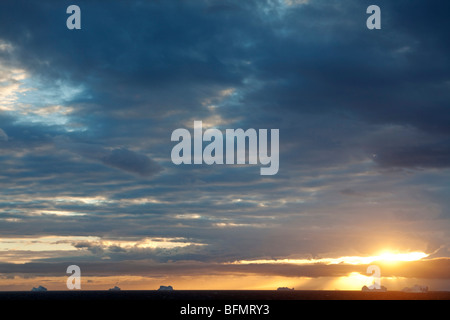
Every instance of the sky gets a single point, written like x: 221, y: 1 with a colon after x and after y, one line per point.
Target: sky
x: 86, y: 118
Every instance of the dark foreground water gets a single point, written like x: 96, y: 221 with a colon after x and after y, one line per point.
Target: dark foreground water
x: 208, y: 295
x: 218, y: 304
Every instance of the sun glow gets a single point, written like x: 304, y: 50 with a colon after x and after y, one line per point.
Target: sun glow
x: 352, y: 281
x: 385, y: 256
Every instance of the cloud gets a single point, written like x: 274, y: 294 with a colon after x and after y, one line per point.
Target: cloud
x: 119, y: 158
x: 363, y: 122
x: 3, y: 135
x: 424, y: 156
x: 183, y: 70
x: 425, y: 269
x: 131, y: 161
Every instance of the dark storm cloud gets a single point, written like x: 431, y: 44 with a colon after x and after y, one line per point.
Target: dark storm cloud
x: 397, y: 75
x: 131, y: 161
x: 173, y: 56
x: 140, y: 55
x: 120, y: 158
x: 434, y: 156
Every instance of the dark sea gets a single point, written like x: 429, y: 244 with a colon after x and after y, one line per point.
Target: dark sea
x: 211, y: 295
x: 223, y: 304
